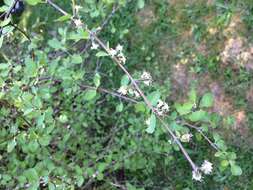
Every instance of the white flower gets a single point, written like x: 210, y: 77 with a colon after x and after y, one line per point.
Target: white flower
x: 78, y: 7
x: 112, y: 52
x: 133, y: 92
x: 206, y: 167
x: 78, y: 23
x: 186, y: 137
x: 159, y: 104
x: 94, y: 45
x: 147, y: 78
x: 122, y: 90
x: 161, y: 107
x: 136, y: 93
x: 121, y: 58
x: 196, y: 175
x: 119, y: 48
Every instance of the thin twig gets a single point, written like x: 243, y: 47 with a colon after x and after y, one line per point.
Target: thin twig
x: 20, y: 30
x: 201, y: 132
x: 109, y: 92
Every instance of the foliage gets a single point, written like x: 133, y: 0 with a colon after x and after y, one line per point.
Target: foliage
x: 73, y: 119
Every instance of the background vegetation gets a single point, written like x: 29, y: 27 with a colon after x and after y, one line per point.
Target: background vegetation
x: 65, y: 126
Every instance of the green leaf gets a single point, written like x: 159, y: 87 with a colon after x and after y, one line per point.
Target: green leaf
x: 76, y: 59
x: 63, y: 18
x: 11, y: 145
x: 193, y: 96
x: 224, y: 163
x: 101, y: 54
x: 55, y: 44
x: 63, y: 118
x: 33, y: 146
x: 33, y: 2
x: 140, y: 107
x: 90, y: 94
x: 101, y: 167
x: 5, y: 22
x: 31, y: 175
x: 44, y: 140
x: 51, y: 186
x: 207, y: 100
x: 31, y: 68
x: 80, y: 180
x: 124, y: 80
x: 119, y: 107
x: 100, y: 176
x: 4, y: 66
x: 152, y: 124
x: 185, y: 108
x: 154, y: 97
x: 1, y: 41
x: 97, y: 79
x: 197, y: 115
x: 140, y: 4
x: 236, y: 170
x: 79, y: 35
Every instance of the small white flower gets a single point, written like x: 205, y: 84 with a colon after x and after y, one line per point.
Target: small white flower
x: 122, y: 90
x: 161, y: 107
x: 206, y: 167
x: 186, y: 137
x: 78, y: 7
x: 94, y: 45
x: 147, y: 82
x: 196, y: 175
x: 95, y: 174
x: 147, y: 78
x: 159, y: 112
x: 78, y: 23
x: 121, y: 58
x: 112, y: 52
x: 133, y: 92
x: 159, y: 104
x: 136, y: 93
x: 119, y: 48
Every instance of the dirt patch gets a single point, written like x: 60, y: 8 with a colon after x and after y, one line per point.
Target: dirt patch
x: 235, y: 27
x: 238, y: 53
x: 146, y: 16
x: 223, y: 104
x: 231, y: 49
x: 249, y: 96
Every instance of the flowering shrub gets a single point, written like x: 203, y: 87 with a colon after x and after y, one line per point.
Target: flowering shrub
x: 74, y: 116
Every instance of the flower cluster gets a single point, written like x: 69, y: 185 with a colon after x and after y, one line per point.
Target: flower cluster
x: 124, y: 90
x: 161, y: 108
x: 205, y: 168
x: 94, y: 45
x: 186, y: 137
x: 117, y: 52
x: 78, y: 23
x: 146, y: 78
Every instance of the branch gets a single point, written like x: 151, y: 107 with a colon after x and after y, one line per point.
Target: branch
x: 201, y: 132
x: 194, y: 167
x: 109, y: 92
